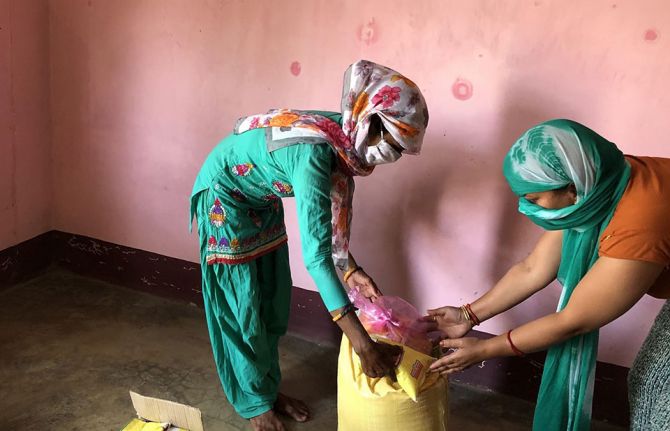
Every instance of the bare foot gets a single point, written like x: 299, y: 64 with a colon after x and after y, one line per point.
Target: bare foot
x: 268, y: 421
x: 295, y: 409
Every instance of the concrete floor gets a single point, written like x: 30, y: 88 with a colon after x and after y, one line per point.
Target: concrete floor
x: 72, y: 348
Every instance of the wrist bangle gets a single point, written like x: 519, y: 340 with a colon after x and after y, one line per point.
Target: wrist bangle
x: 466, y: 315
x: 469, y: 315
x: 514, y: 348
x: 350, y: 272
x: 347, y: 308
x: 473, y: 315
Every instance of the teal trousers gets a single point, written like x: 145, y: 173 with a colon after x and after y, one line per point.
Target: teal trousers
x: 247, y: 308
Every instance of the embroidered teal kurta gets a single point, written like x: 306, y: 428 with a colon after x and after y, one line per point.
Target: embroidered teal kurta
x: 245, y: 184
x: 244, y: 257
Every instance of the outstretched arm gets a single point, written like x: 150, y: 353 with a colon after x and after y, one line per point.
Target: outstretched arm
x: 609, y: 289
x: 525, y: 278
x: 309, y: 172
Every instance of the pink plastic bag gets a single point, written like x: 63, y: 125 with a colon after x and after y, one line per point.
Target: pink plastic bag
x: 393, y: 318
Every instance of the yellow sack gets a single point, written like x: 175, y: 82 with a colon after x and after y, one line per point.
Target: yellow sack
x: 140, y: 425
x: 412, y: 370
x: 371, y: 404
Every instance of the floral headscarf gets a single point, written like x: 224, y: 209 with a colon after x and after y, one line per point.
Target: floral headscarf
x: 369, y: 89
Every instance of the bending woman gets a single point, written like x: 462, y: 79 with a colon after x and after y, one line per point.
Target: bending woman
x: 608, y: 243
x: 313, y: 157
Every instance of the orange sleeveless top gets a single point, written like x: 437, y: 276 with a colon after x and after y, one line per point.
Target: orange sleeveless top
x: 640, y: 226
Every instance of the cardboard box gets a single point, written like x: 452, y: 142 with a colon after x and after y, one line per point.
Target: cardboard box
x: 157, y: 415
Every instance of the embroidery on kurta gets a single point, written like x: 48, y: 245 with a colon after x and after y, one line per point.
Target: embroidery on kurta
x: 283, y: 188
x: 246, y: 249
x: 243, y: 169
x: 217, y: 215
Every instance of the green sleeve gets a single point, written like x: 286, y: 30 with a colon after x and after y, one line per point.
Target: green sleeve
x: 308, y: 167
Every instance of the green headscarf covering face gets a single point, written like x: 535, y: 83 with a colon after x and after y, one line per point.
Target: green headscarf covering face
x: 547, y: 157
x: 555, y: 154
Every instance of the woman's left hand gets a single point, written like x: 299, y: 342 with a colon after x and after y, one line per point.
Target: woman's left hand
x: 468, y: 351
x: 361, y: 281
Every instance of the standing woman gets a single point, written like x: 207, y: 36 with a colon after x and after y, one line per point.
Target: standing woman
x: 608, y: 243
x: 313, y: 157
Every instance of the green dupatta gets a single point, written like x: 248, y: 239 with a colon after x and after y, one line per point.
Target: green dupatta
x: 550, y: 156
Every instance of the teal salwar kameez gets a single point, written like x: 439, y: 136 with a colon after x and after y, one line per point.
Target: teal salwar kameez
x: 312, y: 156
x: 244, y: 255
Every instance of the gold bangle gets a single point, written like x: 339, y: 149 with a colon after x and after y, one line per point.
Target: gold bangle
x: 466, y: 314
x: 350, y: 272
x: 469, y: 315
x: 341, y: 314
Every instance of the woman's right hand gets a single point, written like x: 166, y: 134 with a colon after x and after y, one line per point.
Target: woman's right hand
x: 379, y: 359
x: 448, y: 320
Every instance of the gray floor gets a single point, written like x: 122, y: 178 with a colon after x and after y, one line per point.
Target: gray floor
x: 73, y: 347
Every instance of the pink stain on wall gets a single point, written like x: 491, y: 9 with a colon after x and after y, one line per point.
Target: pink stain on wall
x: 650, y: 35
x: 462, y: 89
x: 368, y: 33
x: 295, y: 68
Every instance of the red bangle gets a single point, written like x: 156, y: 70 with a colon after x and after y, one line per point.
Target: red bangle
x: 473, y: 315
x: 514, y: 349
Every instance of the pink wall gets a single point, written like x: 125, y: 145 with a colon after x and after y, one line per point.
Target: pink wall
x: 142, y: 90
x: 25, y: 195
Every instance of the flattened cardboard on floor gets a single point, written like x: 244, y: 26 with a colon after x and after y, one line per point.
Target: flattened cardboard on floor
x: 157, y: 410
